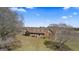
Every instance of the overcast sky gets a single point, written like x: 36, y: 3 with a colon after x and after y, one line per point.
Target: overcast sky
x: 43, y: 16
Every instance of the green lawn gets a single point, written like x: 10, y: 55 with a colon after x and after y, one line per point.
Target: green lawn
x: 32, y: 44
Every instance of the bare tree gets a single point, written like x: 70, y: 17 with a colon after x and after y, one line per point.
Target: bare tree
x: 10, y: 25
x: 61, y: 33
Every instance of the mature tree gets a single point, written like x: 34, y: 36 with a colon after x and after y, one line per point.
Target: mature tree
x: 61, y: 33
x: 10, y: 25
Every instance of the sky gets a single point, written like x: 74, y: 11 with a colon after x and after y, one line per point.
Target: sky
x: 43, y: 16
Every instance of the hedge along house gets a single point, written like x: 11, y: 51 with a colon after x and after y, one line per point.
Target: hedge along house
x: 36, y: 31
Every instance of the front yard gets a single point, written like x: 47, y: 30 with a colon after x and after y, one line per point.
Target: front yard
x: 32, y: 44
x: 37, y: 44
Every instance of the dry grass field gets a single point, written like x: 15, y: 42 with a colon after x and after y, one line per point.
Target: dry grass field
x: 32, y: 44
x: 73, y: 44
x: 37, y: 44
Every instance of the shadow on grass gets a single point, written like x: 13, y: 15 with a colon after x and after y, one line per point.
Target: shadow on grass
x: 55, y: 46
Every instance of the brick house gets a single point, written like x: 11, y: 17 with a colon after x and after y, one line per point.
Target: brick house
x: 37, y: 31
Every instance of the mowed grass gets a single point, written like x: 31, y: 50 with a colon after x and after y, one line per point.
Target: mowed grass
x: 32, y: 44
x: 73, y: 44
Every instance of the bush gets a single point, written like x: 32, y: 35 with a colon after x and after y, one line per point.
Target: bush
x: 56, y: 46
x: 27, y: 33
x: 10, y: 44
x: 14, y: 45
